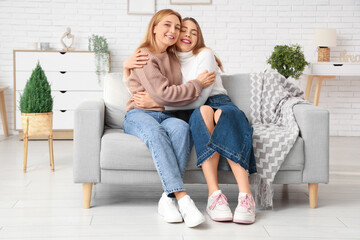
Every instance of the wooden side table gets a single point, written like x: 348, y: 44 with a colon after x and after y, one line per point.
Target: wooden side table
x: 3, y: 110
x: 327, y: 70
x: 318, y: 87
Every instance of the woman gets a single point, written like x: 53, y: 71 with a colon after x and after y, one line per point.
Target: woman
x: 218, y: 127
x: 168, y: 138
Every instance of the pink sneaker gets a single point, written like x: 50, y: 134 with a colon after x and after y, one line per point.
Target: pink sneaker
x: 245, y: 211
x: 218, y: 207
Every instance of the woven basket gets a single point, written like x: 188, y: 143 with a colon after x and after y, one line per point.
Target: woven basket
x: 37, y: 124
x: 324, y: 55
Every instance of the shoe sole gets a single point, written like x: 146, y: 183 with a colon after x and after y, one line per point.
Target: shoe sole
x: 172, y: 220
x: 243, y: 221
x: 195, y: 225
x: 219, y: 219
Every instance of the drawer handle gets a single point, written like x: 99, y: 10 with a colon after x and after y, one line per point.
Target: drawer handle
x: 62, y: 110
x: 62, y: 53
x: 63, y: 91
x: 337, y: 64
x: 62, y: 72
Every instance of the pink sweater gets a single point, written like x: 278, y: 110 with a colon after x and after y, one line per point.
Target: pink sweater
x: 161, y: 78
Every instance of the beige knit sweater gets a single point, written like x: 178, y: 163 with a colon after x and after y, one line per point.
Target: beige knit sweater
x: 161, y: 78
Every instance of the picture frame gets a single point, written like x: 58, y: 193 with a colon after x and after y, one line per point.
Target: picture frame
x: 141, y: 7
x: 190, y: 2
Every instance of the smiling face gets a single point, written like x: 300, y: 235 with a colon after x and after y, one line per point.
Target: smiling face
x: 188, y: 37
x: 167, y: 32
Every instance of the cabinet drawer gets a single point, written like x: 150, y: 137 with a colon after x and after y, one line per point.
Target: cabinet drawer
x: 66, y: 100
x: 62, y: 119
x: 55, y: 61
x: 64, y: 80
x: 339, y: 69
x: 70, y: 100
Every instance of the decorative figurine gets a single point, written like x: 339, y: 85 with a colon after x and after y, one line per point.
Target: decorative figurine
x: 67, y: 35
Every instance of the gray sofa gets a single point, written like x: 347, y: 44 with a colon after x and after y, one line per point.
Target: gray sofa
x: 104, y: 154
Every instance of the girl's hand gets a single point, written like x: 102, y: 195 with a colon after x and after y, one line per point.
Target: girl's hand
x: 206, y: 78
x: 144, y: 101
x: 136, y: 60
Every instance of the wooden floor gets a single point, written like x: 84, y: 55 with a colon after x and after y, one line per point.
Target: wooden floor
x: 41, y: 204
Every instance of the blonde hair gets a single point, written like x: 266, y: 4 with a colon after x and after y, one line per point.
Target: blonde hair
x: 200, y: 45
x: 149, y: 38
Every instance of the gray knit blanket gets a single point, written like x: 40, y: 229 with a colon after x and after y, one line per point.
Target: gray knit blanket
x: 275, y: 128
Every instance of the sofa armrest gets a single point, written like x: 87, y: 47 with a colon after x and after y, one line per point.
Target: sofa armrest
x: 88, y: 130
x: 314, y: 129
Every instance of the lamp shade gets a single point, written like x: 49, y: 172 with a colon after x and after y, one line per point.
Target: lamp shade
x: 325, y: 37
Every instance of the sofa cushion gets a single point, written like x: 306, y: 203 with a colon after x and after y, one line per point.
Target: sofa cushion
x: 296, y: 158
x: 238, y: 88
x: 121, y: 151
x: 124, y: 151
x: 116, y: 96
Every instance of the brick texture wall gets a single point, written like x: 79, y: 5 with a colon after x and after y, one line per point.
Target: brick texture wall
x: 242, y: 33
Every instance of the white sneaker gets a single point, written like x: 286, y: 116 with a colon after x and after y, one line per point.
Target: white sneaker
x: 169, y: 210
x: 245, y: 212
x: 191, y: 214
x: 218, y: 207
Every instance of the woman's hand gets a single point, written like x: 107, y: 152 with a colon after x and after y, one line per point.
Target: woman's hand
x: 206, y: 78
x: 144, y: 101
x: 136, y: 60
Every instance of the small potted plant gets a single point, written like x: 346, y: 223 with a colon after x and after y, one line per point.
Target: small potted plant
x: 36, y: 104
x: 288, y: 60
x: 99, y: 45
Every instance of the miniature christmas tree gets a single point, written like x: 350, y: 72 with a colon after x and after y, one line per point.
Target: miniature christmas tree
x: 37, y: 93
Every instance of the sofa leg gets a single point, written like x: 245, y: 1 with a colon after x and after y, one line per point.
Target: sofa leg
x: 313, y: 194
x: 87, y: 188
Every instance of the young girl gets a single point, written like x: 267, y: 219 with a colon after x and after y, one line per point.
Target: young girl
x: 168, y: 138
x: 218, y: 127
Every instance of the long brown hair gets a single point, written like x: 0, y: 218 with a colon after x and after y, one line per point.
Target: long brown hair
x: 200, y: 45
x: 149, y: 38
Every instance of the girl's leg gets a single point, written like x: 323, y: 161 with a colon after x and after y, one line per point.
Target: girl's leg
x: 209, y: 167
x: 179, y: 134
x: 241, y: 175
x: 217, y: 206
x: 153, y: 134
x: 180, y: 137
x: 148, y: 128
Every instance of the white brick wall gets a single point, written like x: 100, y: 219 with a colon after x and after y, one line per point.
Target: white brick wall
x: 242, y: 32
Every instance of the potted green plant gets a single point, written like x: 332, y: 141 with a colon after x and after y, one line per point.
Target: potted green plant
x: 288, y: 60
x: 99, y: 45
x: 36, y: 104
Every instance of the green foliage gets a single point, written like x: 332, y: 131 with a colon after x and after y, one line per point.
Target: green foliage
x: 37, y: 93
x: 288, y: 60
x: 99, y: 45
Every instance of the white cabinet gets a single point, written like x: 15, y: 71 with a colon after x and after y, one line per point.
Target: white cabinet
x: 72, y: 76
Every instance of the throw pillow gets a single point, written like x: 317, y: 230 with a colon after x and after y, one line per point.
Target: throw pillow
x: 116, y: 96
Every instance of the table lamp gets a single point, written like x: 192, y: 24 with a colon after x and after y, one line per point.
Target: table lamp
x: 323, y: 39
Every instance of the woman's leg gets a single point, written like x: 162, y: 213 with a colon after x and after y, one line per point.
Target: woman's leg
x: 241, y: 175
x: 217, y: 205
x: 179, y: 134
x: 209, y: 167
x: 148, y: 129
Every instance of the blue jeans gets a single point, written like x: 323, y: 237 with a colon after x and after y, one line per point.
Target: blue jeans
x: 169, y: 141
x: 231, y: 138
